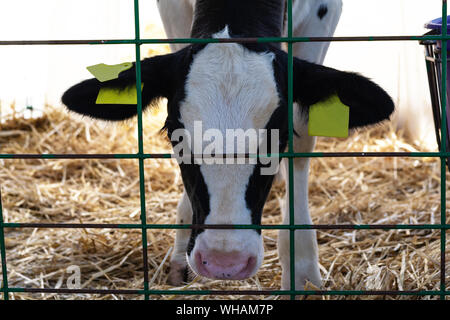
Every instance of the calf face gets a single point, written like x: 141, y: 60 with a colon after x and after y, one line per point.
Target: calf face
x: 222, y: 87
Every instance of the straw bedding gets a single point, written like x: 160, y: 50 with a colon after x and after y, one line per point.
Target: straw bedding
x: 342, y: 191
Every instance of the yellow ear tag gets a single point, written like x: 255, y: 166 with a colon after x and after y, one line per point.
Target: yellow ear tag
x: 126, y: 95
x: 329, y: 118
x: 104, y: 72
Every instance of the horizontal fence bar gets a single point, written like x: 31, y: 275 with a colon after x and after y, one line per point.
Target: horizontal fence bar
x: 236, y: 156
x: 225, y: 40
x: 234, y: 292
x: 228, y: 226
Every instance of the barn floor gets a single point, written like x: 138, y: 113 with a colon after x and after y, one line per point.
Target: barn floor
x: 342, y: 191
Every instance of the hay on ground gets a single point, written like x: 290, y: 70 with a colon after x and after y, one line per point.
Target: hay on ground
x: 342, y: 191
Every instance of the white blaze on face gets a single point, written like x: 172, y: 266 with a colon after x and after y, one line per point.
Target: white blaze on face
x: 229, y: 87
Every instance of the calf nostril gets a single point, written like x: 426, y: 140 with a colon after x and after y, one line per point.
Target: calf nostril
x: 205, y: 262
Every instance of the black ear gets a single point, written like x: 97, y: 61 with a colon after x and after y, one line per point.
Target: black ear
x: 369, y: 103
x: 158, y: 76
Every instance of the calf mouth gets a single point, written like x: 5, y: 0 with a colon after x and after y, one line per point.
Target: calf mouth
x: 224, y: 266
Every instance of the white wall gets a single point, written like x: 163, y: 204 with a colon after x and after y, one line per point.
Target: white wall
x: 36, y: 75
x: 40, y: 74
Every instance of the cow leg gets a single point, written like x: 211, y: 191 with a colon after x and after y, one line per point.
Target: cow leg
x: 178, y: 264
x: 314, y: 18
x: 306, y: 253
x: 177, y: 17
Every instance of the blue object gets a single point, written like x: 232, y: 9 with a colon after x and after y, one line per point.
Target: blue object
x: 436, y: 24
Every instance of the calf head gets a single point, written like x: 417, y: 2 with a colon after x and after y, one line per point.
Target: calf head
x: 223, y: 87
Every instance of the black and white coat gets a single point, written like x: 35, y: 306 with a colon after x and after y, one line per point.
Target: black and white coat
x: 231, y: 86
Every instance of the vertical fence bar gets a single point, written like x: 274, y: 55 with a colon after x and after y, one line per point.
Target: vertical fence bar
x: 141, y: 146
x: 3, y: 253
x: 291, y: 150
x: 443, y: 145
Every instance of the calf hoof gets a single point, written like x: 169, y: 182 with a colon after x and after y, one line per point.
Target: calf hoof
x: 178, y: 274
x: 307, y: 277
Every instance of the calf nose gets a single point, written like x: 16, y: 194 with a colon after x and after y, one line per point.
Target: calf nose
x: 225, y: 265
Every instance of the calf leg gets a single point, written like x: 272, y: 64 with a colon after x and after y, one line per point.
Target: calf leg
x: 314, y: 18
x: 306, y: 253
x: 177, y: 17
x: 178, y: 264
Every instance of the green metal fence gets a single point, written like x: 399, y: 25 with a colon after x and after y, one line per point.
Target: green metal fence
x: 146, y: 291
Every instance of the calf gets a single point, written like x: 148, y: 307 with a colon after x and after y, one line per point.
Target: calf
x: 224, y: 86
